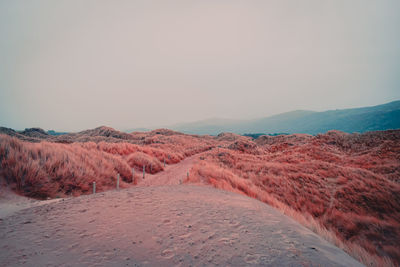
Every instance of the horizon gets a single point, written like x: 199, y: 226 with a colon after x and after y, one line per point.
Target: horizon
x: 171, y: 126
x: 69, y: 66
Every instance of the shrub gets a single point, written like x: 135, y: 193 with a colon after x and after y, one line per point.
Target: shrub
x: 139, y: 159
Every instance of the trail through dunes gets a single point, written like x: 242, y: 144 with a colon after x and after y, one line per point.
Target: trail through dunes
x: 180, y: 225
x: 172, y: 175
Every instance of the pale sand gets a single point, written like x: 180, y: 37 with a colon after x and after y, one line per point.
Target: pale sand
x: 169, y: 225
x: 161, y: 226
x: 11, y: 202
x: 172, y: 174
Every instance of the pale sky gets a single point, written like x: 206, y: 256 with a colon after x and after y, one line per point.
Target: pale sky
x: 73, y: 65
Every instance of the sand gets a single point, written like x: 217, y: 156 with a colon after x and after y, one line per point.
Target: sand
x: 159, y: 225
x: 172, y: 174
x: 10, y: 202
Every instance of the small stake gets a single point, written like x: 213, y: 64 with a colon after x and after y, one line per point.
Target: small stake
x: 164, y: 162
x: 187, y: 175
x: 133, y: 174
x: 143, y: 171
x: 118, y: 181
x: 94, y: 187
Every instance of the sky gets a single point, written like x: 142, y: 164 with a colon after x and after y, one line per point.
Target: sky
x: 72, y: 65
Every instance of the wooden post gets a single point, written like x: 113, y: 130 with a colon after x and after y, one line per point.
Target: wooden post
x: 164, y: 162
x: 94, y: 187
x: 133, y: 174
x: 118, y: 181
x: 151, y: 168
x: 144, y: 170
x: 187, y: 175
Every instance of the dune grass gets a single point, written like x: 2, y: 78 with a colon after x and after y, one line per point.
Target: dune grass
x: 343, y: 186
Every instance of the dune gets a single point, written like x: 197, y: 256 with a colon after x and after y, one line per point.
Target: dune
x: 341, y: 186
x: 10, y: 202
x: 180, y: 225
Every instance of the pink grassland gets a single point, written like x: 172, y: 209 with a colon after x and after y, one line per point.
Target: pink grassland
x: 343, y: 186
x: 55, y: 169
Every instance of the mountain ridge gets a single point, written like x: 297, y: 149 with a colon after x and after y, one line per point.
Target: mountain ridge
x: 362, y: 119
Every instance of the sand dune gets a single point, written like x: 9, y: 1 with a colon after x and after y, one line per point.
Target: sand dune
x: 179, y: 225
x: 347, y: 183
x: 10, y: 202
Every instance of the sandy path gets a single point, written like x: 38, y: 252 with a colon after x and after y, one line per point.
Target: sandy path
x: 161, y: 226
x: 172, y: 174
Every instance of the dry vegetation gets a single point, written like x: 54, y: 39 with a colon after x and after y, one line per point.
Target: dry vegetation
x: 52, y: 166
x: 343, y: 186
x: 346, y: 183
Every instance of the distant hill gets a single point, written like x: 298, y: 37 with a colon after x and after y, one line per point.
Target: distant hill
x: 212, y: 126
x: 375, y: 118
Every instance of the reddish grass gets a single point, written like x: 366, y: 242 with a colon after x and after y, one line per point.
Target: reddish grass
x: 139, y: 159
x: 343, y: 186
x: 45, y: 169
x: 348, y: 184
x: 55, y: 166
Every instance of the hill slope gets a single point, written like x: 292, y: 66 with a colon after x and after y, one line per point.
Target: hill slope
x: 375, y: 118
x: 162, y: 226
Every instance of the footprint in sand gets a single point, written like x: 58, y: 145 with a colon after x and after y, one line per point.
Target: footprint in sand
x: 226, y: 241
x: 185, y: 236
x: 168, y: 253
x: 211, y: 236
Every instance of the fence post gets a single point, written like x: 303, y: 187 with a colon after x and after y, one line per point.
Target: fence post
x: 118, y: 181
x: 144, y: 171
x: 164, y: 162
x: 187, y: 175
x: 133, y: 174
x: 94, y: 187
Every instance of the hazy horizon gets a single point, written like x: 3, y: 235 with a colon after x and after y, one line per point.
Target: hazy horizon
x: 172, y: 126
x: 71, y: 65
